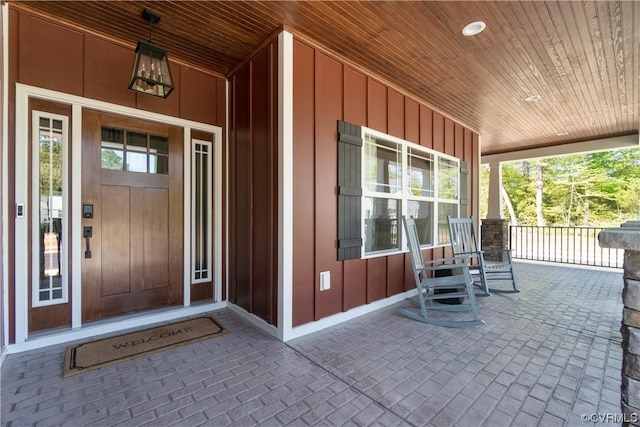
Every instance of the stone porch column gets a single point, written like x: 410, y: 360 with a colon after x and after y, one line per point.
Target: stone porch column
x: 627, y: 237
x: 494, y: 233
x: 495, y: 236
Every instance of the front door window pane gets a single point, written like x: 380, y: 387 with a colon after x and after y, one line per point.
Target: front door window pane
x: 136, y: 162
x: 137, y: 141
x: 134, y: 151
x: 158, y: 145
x: 112, y: 158
x: 158, y: 164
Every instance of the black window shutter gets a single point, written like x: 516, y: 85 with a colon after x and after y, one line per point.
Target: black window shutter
x: 464, y: 177
x: 349, y: 191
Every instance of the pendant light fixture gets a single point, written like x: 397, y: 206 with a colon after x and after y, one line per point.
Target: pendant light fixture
x: 151, y: 73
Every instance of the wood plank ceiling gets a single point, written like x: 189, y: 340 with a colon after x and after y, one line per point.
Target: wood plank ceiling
x: 580, y: 57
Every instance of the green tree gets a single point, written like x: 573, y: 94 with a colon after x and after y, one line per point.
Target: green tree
x: 112, y: 159
x: 596, y: 189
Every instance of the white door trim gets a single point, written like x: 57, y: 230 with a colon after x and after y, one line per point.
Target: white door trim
x: 4, y: 168
x: 23, y: 93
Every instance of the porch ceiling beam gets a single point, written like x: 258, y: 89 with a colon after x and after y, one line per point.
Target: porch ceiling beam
x: 604, y: 144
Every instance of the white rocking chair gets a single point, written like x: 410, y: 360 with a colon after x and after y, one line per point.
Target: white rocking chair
x: 464, y: 242
x: 428, y: 283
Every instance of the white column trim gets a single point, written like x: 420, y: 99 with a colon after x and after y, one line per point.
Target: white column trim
x: 187, y: 148
x: 225, y: 243
x: 4, y: 12
x: 494, y: 208
x: 75, y: 269
x: 217, y: 220
x: 285, y: 185
x: 21, y: 224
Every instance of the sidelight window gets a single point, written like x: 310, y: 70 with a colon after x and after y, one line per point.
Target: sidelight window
x: 50, y: 218
x: 201, y: 221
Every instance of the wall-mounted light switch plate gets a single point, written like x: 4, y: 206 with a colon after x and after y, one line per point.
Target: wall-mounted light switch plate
x: 325, y: 280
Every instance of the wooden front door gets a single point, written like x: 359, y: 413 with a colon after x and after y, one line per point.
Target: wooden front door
x: 132, y: 176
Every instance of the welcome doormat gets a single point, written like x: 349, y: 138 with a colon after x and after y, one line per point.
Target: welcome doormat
x: 109, y: 351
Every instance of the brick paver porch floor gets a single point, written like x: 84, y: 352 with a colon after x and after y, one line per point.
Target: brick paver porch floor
x: 545, y: 357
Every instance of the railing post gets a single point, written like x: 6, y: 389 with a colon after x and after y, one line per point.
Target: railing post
x: 627, y: 237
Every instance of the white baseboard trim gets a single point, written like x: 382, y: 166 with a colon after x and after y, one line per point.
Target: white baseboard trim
x: 254, y: 320
x: 101, y: 328
x: 338, y: 318
x: 321, y: 324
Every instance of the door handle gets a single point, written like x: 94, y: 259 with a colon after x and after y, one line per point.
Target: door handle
x: 87, y: 233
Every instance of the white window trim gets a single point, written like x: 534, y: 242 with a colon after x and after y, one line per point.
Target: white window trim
x: 35, y: 213
x: 208, y: 210
x: 435, y: 199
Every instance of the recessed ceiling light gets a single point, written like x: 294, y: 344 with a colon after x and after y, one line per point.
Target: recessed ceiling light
x: 473, y: 28
x: 532, y: 98
x: 562, y: 133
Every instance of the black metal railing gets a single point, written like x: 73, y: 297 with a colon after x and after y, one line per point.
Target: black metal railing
x: 570, y: 245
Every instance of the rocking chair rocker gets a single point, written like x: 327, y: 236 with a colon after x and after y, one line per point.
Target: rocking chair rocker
x: 460, y: 284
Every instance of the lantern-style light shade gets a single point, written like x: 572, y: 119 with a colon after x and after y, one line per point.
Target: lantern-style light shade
x: 151, y: 73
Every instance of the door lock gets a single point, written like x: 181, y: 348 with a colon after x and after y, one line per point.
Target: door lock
x: 87, y: 233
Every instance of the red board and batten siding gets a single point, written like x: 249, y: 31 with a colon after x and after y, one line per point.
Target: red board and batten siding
x: 85, y: 65
x: 253, y: 170
x: 325, y: 91
x: 355, y: 111
x: 328, y: 106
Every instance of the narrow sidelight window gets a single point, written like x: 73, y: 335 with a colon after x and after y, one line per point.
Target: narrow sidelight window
x: 50, y: 191
x: 201, y: 208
